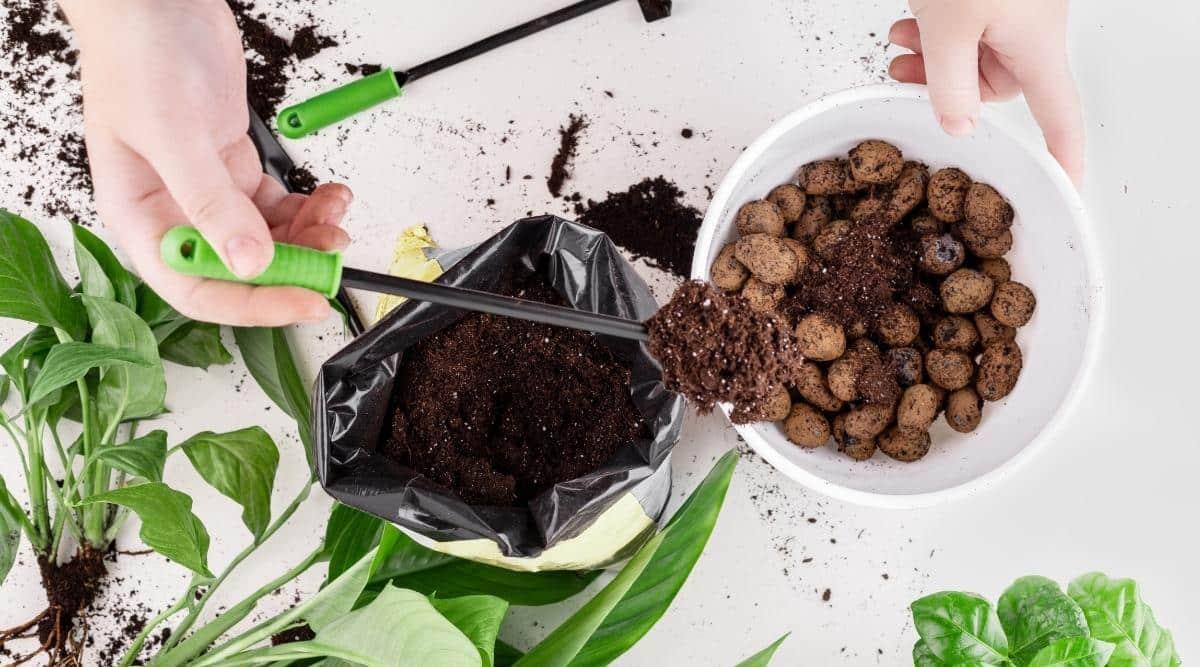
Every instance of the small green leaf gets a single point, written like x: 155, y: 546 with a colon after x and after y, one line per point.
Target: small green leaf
x: 31, y: 287
x: 564, y: 642
x: 684, y: 538
x: 1035, y: 612
x: 10, y: 530
x: 34, y: 345
x: 143, y: 457
x: 126, y: 392
x: 100, y: 272
x: 195, y: 344
x: 168, y: 524
x: 1116, y: 613
x: 241, y: 465
x: 960, y: 627
x: 69, y: 362
x: 923, y: 657
x: 349, y: 535
x: 268, y: 357
x: 478, y: 617
x: 5, y: 384
x: 1073, y: 652
x: 763, y: 657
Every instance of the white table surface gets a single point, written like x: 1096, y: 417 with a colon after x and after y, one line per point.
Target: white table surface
x: 1116, y: 492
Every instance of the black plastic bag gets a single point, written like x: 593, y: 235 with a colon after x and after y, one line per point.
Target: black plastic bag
x: 354, y: 390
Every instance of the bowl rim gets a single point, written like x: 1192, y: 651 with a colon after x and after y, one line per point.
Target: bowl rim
x: 1096, y: 304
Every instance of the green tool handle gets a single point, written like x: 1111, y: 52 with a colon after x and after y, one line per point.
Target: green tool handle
x: 187, y: 252
x: 338, y: 104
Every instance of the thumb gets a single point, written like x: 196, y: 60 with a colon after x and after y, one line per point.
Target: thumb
x: 200, y: 183
x: 950, y: 34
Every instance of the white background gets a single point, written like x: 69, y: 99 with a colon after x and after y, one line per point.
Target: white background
x: 1116, y: 492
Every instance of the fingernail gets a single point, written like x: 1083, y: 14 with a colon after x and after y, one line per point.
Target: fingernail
x: 246, y: 256
x: 958, y: 126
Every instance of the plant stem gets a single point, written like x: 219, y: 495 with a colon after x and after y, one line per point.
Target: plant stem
x: 186, y: 624
x: 135, y: 648
x: 36, y: 482
x: 93, y: 515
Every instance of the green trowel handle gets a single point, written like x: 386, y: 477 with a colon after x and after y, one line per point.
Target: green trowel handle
x: 185, y: 250
x: 338, y: 104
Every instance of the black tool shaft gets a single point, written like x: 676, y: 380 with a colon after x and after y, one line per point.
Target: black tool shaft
x: 501, y: 38
x: 486, y: 302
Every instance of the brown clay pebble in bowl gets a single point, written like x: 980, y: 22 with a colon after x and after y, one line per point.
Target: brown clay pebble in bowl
x: 763, y: 297
x: 869, y: 420
x: 777, y: 406
x: 898, y: 326
x: 992, y: 331
x: 843, y: 378
x: 949, y: 369
x: 817, y: 212
x: 999, y: 367
x: 801, y: 252
x: 997, y: 269
x: 908, y: 192
x: 810, y: 384
x: 866, y: 207
x: 807, y: 427
x: 1013, y: 304
x: 986, y: 212
x: 789, y: 199
x: 905, y: 444
x: 768, y: 258
x: 955, y: 332
x: 918, y: 407
x: 875, y: 162
x: 926, y: 224
x: 831, y: 235
x: 827, y: 177
x: 859, y: 449
x: 820, y: 338
x: 964, y: 410
x: 907, y: 365
x: 988, y: 247
x: 964, y: 291
x: 727, y: 272
x: 759, y: 217
x: 941, y: 254
x: 947, y: 194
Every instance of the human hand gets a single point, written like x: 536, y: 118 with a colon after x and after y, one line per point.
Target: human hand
x: 166, y: 118
x: 968, y: 50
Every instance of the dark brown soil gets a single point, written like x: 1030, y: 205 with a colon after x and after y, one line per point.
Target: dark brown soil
x: 651, y: 221
x: 70, y: 588
x: 302, y: 180
x: 498, y: 410
x: 301, y: 633
x: 270, y: 57
x: 714, y: 348
x: 568, y: 145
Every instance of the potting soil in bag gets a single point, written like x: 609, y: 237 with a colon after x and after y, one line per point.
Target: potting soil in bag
x: 476, y: 468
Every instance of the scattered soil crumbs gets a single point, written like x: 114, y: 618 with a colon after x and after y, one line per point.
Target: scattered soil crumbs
x: 300, y: 633
x: 301, y: 180
x: 363, y: 69
x: 687, y: 133
x: 568, y: 145
x: 649, y: 220
x: 714, y: 348
x: 270, y: 57
x: 498, y: 429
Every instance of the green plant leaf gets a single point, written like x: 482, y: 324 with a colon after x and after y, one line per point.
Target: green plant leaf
x: 69, y: 362
x: 162, y: 318
x: 684, y: 538
x: 31, y: 288
x: 34, y: 345
x: 960, y: 627
x: 100, y: 272
x: 168, y: 524
x: 1078, y: 651
x: 923, y: 657
x: 241, y: 465
x: 478, y: 617
x: 349, y: 535
x: 1035, y: 612
x: 268, y: 357
x: 412, y: 566
x: 5, y: 384
x: 195, y: 344
x: 763, y: 657
x: 10, y: 529
x: 564, y: 642
x: 126, y: 392
x: 1116, y: 613
x: 507, y: 655
x: 142, y: 457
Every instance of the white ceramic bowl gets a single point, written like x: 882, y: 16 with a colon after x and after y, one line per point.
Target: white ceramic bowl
x: 1053, y: 253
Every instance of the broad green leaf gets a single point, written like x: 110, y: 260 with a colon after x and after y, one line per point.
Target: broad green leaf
x: 162, y: 318
x: 31, y: 288
x: 268, y: 357
x: 34, y: 345
x: 960, y: 627
x: 507, y: 655
x: 10, y: 529
x: 100, y: 271
x: 478, y: 617
x: 1078, y: 651
x: 168, y: 525
x: 1116, y: 613
x: 195, y: 344
x: 69, y: 362
x: 337, y: 598
x: 1035, y: 612
x: 127, y: 392
x: 142, y: 457
x: 684, y: 538
x: 241, y: 465
x: 564, y: 642
x: 923, y: 657
x: 349, y: 535
x: 763, y: 657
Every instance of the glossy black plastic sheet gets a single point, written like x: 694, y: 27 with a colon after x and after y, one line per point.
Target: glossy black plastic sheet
x: 354, y: 388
